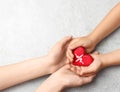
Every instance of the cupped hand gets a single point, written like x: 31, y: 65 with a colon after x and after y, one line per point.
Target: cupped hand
x: 69, y: 76
x: 95, y: 67
x: 84, y: 41
x: 57, y: 54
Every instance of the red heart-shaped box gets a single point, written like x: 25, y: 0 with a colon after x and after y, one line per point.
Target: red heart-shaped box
x: 81, y: 58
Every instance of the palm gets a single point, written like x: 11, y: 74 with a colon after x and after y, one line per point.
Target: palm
x: 95, y: 67
x: 71, y: 77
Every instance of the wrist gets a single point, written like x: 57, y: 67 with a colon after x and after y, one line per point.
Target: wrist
x: 94, y: 39
x: 43, y: 62
x: 52, y: 83
x: 54, y: 63
x: 50, y: 64
x: 104, y: 60
x: 57, y: 85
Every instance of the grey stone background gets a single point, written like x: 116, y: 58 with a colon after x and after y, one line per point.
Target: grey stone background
x: 28, y: 28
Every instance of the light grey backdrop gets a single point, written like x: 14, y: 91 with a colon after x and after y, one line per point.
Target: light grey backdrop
x: 28, y: 28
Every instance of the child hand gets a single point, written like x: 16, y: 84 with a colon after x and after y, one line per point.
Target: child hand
x: 96, y: 66
x: 57, y: 56
x: 85, y: 41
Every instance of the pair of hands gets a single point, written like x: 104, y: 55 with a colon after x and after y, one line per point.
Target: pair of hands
x: 89, y: 44
x: 58, y: 58
x: 60, y: 64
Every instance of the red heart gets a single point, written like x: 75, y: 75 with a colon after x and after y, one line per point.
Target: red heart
x: 81, y: 58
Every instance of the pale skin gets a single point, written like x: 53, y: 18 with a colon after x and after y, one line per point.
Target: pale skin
x: 67, y: 76
x: 103, y: 29
x: 33, y: 68
x: 101, y: 61
x: 13, y: 74
x: 51, y: 63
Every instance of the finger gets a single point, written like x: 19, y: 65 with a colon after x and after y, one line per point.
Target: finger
x: 88, y: 74
x: 73, y: 41
x: 78, y: 70
x: 72, y: 65
x: 69, y: 57
x: 75, y: 45
x: 88, y: 79
x: 65, y: 40
x: 70, y: 53
x: 67, y: 61
x: 87, y: 70
x: 88, y: 50
x: 73, y: 68
x: 96, y: 53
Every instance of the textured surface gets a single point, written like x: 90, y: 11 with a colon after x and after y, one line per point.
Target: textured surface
x: 28, y: 28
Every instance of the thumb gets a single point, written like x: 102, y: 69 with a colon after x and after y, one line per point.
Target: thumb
x: 75, y: 45
x: 64, y: 41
